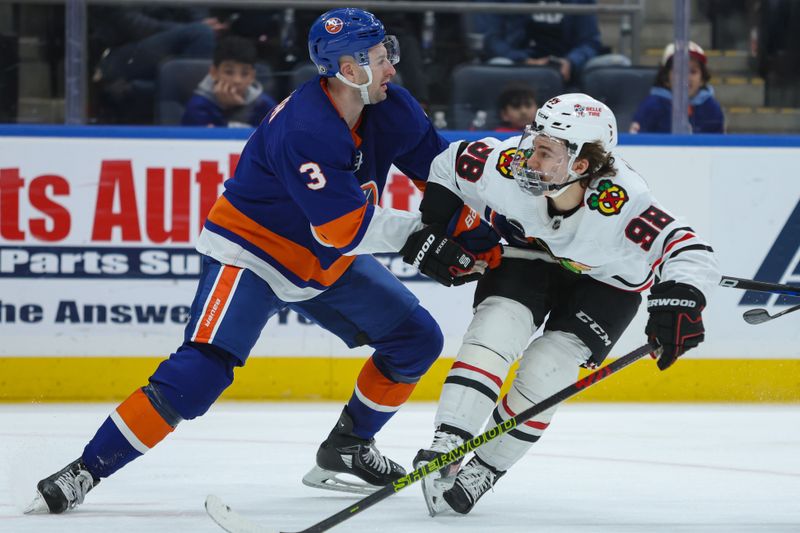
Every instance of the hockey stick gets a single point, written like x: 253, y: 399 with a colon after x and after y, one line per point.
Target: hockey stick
x: 759, y: 316
x: 761, y: 286
x: 233, y: 522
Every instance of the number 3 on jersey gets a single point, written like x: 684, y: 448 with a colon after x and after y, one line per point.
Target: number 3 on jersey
x: 315, y: 175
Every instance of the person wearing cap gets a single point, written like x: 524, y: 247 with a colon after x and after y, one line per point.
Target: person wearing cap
x: 654, y: 114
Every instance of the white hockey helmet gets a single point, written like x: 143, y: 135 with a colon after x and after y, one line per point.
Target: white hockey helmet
x: 575, y: 119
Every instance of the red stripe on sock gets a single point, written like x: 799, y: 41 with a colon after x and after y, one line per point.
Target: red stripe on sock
x: 529, y: 423
x: 496, y: 379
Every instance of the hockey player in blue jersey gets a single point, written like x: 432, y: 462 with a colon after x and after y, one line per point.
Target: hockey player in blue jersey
x: 294, y: 229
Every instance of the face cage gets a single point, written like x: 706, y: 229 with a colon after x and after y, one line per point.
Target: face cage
x: 531, y: 181
x: 392, y: 51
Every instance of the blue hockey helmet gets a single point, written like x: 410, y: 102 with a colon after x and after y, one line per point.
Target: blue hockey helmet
x: 347, y: 32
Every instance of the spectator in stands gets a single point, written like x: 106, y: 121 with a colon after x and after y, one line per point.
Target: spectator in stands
x: 566, y: 42
x: 229, y: 95
x: 516, y: 107
x: 134, y: 41
x: 655, y: 112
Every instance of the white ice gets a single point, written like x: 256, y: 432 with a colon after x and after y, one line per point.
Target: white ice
x: 599, y: 468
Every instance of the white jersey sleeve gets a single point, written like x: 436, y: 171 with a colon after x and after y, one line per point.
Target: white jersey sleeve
x: 620, y: 235
x: 673, y: 249
x: 468, y: 170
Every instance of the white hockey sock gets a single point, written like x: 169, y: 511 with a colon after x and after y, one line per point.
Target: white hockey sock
x: 548, y: 365
x: 471, y: 388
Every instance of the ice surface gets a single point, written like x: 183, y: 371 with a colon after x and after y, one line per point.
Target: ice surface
x: 600, y: 468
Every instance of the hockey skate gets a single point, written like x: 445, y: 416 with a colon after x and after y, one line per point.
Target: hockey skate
x: 344, y: 454
x: 445, y: 438
x: 472, y: 482
x: 64, y: 490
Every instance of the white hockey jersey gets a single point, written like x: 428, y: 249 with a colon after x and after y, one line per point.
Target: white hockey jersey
x: 620, y: 235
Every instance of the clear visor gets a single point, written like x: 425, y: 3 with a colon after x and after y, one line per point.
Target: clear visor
x: 392, y: 49
x: 541, y: 163
x: 392, y: 52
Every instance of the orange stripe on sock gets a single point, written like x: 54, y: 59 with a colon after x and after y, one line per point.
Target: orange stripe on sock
x: 216, y: 303
x: 143, y: 420
x: 380, y: 389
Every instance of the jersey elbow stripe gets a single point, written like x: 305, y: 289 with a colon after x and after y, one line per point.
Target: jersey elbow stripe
x: 378, y: 392
x: 634, y: 287
x: 216, y: 305
x: 672, y: 245
x: 295, y: 258
x: 341, y: 232
x: 139, y: 422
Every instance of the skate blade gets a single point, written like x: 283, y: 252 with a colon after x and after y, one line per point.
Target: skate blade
x: 433, y: 486
x: 319, y: 478
x: 37, y: 506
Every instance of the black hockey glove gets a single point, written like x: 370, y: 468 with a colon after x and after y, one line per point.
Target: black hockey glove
x: 437, y: 256
x: 675, y: 322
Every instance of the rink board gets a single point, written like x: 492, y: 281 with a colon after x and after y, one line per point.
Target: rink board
x: 56, y: 379
x: 97, y: 267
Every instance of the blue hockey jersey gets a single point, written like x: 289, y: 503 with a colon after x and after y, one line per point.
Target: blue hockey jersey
x: 304, y: 198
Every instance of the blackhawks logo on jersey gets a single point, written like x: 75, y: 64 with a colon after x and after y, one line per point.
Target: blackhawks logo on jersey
x: 504, y: 162
x: 608, y: 199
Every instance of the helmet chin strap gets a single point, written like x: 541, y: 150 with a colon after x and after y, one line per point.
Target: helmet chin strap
x: 561, y: 187
x: 363, y: 88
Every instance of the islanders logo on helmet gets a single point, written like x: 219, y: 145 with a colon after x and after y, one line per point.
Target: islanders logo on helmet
x: 334, y: 25
x: 608, y: 199
x: 343, y: 32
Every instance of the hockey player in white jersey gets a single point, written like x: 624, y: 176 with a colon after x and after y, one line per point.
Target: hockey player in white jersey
x: 585, y: 237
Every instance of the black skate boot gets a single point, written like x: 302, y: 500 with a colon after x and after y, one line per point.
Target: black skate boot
x: 345, y: 453
x: 472, y: 482
x: 445, y: 438
x: 63, y: 490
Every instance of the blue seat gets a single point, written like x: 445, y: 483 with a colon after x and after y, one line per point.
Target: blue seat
x: 620, y: 88
x: 177, y: 80
x: 477, y: 87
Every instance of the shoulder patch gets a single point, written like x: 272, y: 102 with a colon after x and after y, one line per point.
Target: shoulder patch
x: 504, y: 162
x: 608, y: 199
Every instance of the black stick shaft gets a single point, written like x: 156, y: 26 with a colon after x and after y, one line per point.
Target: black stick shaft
x: 785, y: 311
x: 453, y: 456
x: 762, y: 286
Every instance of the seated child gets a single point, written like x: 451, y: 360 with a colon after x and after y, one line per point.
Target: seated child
x: 654, y: 114
x: 516, y: 107
x: 229, y: 95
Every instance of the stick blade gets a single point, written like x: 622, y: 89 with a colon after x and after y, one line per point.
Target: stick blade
x: 230, y: 520
x: 756, y: 316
